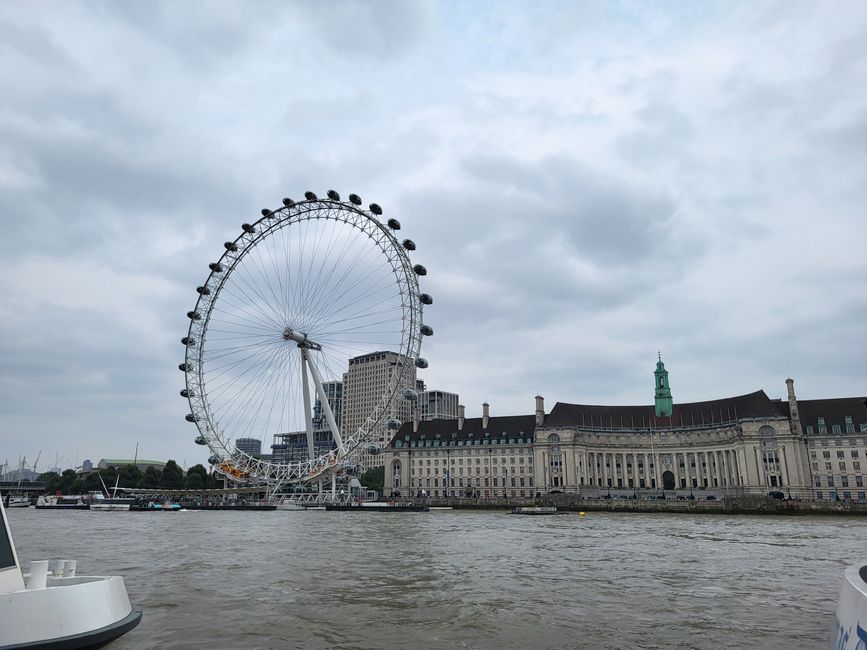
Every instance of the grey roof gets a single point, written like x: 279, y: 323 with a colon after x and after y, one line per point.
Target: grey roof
x: 729, y: 409
x: 509, y: 426
x: 833, y: 410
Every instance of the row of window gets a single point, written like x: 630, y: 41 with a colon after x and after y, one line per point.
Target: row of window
x: 836, y: 429
x: 856, y: 466
x: 461, y: 443
x: 460, y: 472
x: 854, y: 453
x: 847, y: 496
x: 844, y: 481
x: 460, y: 461
x: 487, y: 482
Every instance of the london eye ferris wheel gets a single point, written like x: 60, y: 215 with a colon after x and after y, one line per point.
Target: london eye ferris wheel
x: 297, y: 294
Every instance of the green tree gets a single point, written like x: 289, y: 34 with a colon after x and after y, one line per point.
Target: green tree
x: 52, y: 481
x: 373, y: 479
x: 67, y: 479
x: 172, y: 476
x: 150, y: 478
x: 130, y: 476
x: 197, y: 477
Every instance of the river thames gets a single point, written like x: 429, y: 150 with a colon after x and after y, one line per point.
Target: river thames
x: 460, y: 579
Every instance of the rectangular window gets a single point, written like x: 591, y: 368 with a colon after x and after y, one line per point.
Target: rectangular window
x: 818, y: 482
x: 815, y: 467
x: 850, y: 427
x: 828, y: 466
x: 826, y: 454
x: 860, y: 496
x: 830, y: 481
x: 813, y: 455
x: 841, y: 453
x: 818, y: 494
x: 842, y: 467
x: 856, y: 465
x: 809, y: 429
x: 835, y: 428
x: 854, y: 453
x: 844, y: 481
x: 862, y: 427
x: 847, y: 495
x: 859, y: 481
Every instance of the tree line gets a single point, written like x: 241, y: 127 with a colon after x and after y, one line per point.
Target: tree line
x: 171, y: 477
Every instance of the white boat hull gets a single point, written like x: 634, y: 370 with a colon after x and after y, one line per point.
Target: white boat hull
x: 84, y: 606
x: 850, y: 631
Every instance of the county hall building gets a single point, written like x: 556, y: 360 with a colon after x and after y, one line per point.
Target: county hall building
x: 810, y: 449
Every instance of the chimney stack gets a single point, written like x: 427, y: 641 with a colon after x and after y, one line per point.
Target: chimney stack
x: 460, y: 417
x: 540, y: 410
x: 414, y: 419
x: 793, y: 407
x: 485, y: 415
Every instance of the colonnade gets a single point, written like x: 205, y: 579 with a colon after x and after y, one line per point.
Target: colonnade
x: 705, y: 468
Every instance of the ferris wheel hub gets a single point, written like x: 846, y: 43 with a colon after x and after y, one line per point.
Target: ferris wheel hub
x: 301, y: 339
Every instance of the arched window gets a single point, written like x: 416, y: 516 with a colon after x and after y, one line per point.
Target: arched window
x: 553, y: 439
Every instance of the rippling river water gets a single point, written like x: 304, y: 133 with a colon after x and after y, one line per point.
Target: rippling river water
x: 459, y: 579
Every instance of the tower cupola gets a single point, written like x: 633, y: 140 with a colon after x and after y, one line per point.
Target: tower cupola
x: 662, y: 393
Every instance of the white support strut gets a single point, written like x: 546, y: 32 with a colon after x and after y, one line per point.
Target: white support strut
x: 308, y: 415
x: 323, y: 400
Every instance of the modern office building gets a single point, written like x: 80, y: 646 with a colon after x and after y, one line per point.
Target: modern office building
x: 364, y: 384
x: 252, y: 446
x: 334, y: 394
x: 747, y: 444
x: 437, y: 405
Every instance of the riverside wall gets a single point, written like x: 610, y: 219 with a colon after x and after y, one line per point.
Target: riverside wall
x: 729, y: 505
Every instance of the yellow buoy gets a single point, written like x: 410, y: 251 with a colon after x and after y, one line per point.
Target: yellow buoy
x: 582, y: 514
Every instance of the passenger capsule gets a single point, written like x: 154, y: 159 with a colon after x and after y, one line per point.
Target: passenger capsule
x: 189, y: 417
x: 393, y: 424
x: 194, y: 315
x: 354, y: 199
x: 215, y: 267
x: 231, y: 246
x: 373, y: 449
x: 288, y: 202
x: 187, y: 393
x: 200, y: 440
x: 419, y: 269
x: 410, y: 394
x: 204, y: 291
x: 334, y: 196
x: 182, y: 367
x: 266, y: 212
x: 247, y: 228
x: 394, y: 224
x: 310, y: 196
x: 213, y: 460
x: 409, y: 244
x: 426, y: 330
x: 421, y: 363
x: 189, y: 341
x: 426, y: 299
x: 375, y: 209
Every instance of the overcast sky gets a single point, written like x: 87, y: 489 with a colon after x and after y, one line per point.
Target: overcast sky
x: 587, y: 183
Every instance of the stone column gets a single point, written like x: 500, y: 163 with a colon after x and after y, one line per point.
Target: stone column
x: 785, y: 466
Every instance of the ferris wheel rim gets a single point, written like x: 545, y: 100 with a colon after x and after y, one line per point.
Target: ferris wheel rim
x: 406, y: 279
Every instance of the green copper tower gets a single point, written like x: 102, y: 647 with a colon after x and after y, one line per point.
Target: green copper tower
x: 662, y: 396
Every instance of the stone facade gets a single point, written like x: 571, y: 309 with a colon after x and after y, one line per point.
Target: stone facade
x: 748, y: 444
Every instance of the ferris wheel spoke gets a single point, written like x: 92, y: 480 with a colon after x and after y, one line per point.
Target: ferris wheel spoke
x: 349, y: 269
x: 360, y: 277
x: 274, y: 260
x: 242, y: 318
x: 266, y: 277
x: 259, y: 303
x: 237, y: 404
x: 249, y: 365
